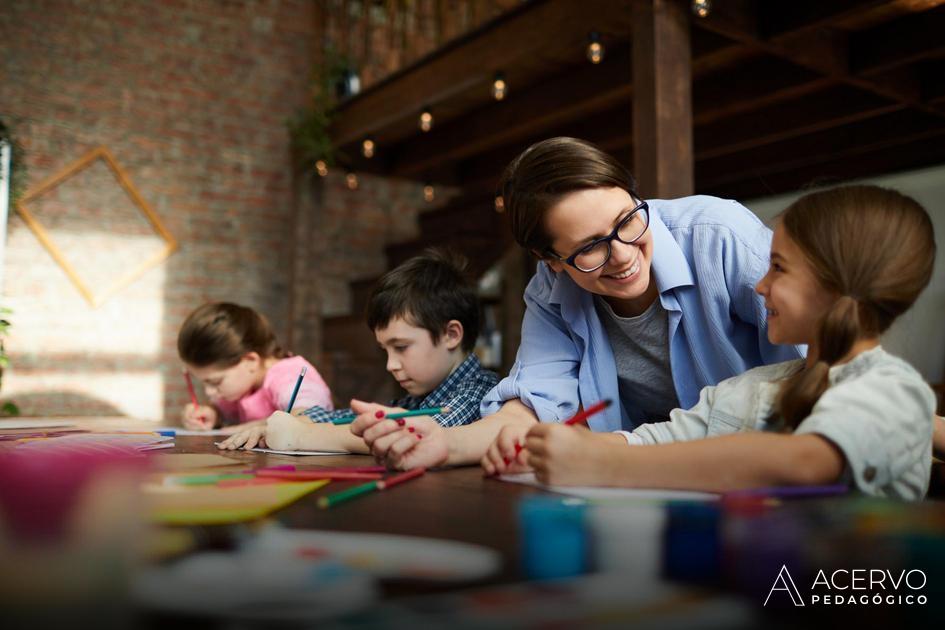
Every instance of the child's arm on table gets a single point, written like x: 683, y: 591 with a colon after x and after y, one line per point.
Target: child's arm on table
x: 563, y: 455
x: 285, y: 432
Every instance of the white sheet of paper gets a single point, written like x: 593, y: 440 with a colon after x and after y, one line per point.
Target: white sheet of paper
x: 191, y: 432
x: 608, y: 494
x: 34, y: 424
x: 275, y: 452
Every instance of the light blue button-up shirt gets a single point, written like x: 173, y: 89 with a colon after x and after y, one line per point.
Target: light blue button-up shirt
x: 708, y: 255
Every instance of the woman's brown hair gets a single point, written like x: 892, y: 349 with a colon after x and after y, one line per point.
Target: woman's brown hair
x: 220, y: 334
x: 871, y: 247
x: 547, y: 171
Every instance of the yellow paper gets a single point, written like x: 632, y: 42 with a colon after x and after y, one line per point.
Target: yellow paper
x: 213, y: 505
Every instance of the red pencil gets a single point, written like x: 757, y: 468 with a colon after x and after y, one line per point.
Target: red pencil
x: 582, y: 416
x: 306, y: 475
x: 402, y: 477
x: 190, y: 388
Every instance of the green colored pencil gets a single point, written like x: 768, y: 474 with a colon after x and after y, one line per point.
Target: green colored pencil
x: 200, y: 480
x: 429, y: 411
x: 347, y: 494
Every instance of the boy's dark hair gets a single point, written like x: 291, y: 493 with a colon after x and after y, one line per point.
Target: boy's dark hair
x: 219, y: 334
x: 428, y: 291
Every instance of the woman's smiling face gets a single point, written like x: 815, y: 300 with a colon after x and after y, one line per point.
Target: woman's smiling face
x: 585, y: 215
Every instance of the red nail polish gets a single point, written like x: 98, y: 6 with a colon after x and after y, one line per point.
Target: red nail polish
x: 419, y: 437
x: 379, y: 414
x: 410, y: 429
x: 518, y: 448
x: 506, y: 460
x: 402, y: 422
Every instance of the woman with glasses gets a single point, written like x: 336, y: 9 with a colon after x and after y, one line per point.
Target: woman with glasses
x: 640, y: 302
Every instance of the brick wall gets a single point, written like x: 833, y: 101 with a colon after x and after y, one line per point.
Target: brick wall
x: 191, y: 97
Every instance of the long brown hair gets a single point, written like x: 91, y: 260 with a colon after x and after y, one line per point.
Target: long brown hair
x: 547, y: 171
x: 873, y: 248
x: 220, y: 334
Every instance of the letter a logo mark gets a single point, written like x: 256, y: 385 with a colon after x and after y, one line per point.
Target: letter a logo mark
x: 786, y: 584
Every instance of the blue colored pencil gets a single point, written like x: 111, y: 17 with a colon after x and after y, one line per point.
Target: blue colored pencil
x: 295, y: 392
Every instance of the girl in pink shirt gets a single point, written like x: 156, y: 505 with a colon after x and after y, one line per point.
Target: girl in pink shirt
x: 245, y: 373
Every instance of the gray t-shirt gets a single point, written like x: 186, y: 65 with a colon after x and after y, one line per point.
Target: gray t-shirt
x: 641, y: 353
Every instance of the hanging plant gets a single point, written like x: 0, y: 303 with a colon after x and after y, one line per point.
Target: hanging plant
x: 311, y: 142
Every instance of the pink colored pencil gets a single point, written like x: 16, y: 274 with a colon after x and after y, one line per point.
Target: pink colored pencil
x: 307, y: 475
x: 582, y: 416
x: 402, y: 477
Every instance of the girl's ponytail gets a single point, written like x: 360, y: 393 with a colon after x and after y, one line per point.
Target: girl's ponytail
x: 839, y: 329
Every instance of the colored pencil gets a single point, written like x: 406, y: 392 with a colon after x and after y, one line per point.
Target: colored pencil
x: 190, y: 389
x: 429, y: 411
x: 344, y: 419
x: 295, y: 392
x: 308, y: 475
x: 582, y: 416
x: 332, y: 500
x: 202, y: 480
x: 384, y: 484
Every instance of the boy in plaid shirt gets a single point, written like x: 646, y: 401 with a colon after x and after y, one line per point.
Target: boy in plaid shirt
x: 425, y: 316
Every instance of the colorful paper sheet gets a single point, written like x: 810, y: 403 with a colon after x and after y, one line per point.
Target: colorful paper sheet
x: 213, y: 505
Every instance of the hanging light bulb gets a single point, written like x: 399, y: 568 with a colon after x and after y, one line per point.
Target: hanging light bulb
x: 367, y: 148
x: 499, y: 204
x: 702, y: 8
x: 351, y: 180
x: 426, y: 120
x: 429, y: 194
x: 321, y: 168
x: 595, y: 49
x: 499, y: 87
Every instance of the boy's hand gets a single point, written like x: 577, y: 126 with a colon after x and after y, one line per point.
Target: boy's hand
x: 199, y: 418
x: 246, y: 436
x: 507, y: 453
x: 565, y: 455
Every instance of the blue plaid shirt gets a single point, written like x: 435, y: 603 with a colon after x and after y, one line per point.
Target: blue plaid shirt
x: 461, y: 391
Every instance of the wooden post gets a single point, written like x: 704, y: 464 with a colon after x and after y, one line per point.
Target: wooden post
x: 662, y: 99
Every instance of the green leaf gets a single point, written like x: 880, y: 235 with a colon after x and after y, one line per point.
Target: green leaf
x: 9, y: 409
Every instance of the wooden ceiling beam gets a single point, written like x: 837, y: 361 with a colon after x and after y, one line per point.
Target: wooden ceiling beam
x: 898, y: 43
x: 571, y: 95
x: 886, y: 159
x: 888, y: 130
x: 472, y: 60
x: 818, y: 45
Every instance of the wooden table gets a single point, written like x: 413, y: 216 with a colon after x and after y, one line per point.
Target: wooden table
x: 452, y: 503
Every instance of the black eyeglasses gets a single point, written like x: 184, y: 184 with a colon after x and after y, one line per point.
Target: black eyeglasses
x: 595, y: 255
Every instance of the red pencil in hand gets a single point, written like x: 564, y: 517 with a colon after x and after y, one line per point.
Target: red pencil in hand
x: 190, y: 388
x: 582, y: 416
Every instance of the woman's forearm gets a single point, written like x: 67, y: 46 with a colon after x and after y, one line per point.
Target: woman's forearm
x: 468, y: 443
